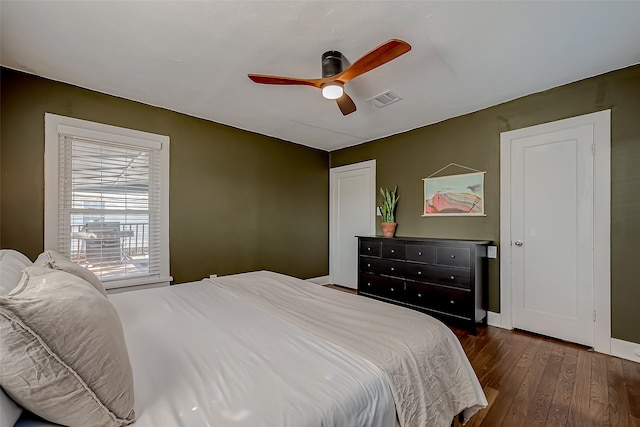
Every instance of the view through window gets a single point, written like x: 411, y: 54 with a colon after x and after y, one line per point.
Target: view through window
x: 108, y: 214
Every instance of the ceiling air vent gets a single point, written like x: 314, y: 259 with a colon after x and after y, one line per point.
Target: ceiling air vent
x: 384, y: 99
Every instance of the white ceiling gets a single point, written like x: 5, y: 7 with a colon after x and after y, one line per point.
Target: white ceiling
x: 194, y: 56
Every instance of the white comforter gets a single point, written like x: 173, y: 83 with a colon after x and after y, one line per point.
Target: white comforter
x: 430, y: 376
x: 264, y: 349
x: 202, y: 356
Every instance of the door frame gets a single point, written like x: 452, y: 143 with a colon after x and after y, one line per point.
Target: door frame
x: 601, y: 122
x: 333, y: 238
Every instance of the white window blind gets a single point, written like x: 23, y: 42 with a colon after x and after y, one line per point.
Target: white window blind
x: 109, y: 207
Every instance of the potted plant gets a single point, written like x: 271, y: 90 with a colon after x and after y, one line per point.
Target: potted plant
x: 388, y: 210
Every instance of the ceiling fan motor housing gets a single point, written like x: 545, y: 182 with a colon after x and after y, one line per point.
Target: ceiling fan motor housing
x: 331, y: 63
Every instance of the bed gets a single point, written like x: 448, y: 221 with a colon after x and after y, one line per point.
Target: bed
x: 265, y: 349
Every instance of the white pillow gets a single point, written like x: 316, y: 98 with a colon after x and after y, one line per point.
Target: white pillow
x: 11, y: 265
x: 10, y: 274
x: 53, y: 259
x: 16, y: 256
x: 63, y: 352
x: 9, y: 411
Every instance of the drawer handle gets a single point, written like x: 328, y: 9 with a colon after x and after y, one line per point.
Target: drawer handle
x: 453, y: 277
x: 368, y: 265
x: 393, y: 251
x: 368, y: 283
x: 393, y: 269
x: 419, y: 295
x: 419, y: 273
x: 452, y: 302
x: 368, y: 248
x: 392, y: 289
x: 453, y: 256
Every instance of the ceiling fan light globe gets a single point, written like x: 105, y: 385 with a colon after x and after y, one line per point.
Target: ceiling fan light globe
x: 332, y: 91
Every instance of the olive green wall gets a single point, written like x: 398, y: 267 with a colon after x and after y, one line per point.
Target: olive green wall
x: 473, y: 140
x: 239, y: 201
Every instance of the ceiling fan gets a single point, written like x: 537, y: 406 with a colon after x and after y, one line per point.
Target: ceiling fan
x: 334, y: 76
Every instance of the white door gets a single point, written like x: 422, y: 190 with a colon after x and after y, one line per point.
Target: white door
x: 552, y: 233
x: 352, y: 205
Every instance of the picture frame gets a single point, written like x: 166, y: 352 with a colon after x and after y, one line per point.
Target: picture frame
x: 454, y: 195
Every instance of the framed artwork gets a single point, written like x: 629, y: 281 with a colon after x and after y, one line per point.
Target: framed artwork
x: 454, y: 195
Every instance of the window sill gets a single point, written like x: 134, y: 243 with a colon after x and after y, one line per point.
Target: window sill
x: 135, y: 285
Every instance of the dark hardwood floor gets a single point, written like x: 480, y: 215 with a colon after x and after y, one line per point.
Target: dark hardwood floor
x: 530, y: 380
x: 342, y: 288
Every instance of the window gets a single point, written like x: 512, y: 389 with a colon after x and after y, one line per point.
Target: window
x: 106, y: 200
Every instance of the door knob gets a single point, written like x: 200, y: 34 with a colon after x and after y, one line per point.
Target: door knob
x: 518, y: 243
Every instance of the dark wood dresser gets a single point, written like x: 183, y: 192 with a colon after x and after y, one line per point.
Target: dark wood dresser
x: 443, y: 278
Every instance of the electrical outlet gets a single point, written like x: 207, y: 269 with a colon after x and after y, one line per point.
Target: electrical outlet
x: 492, y: 252
x: 378, y: 212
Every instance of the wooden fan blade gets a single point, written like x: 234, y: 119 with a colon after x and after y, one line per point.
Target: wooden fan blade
x: 281, y: 80
x: 346, y: 105
x: 380, y: 55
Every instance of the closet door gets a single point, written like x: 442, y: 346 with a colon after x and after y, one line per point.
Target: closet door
x: 353, y: 208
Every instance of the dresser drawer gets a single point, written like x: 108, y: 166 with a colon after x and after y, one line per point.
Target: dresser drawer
x: 370, y: 247
x: 445, y: 300
x: 382, y: 266
x: 381, y: 286
x: 458, y: 277
x: 421, y: 253
x: 392, y: 250
x: 370, y: 265
x: 392, y: 267
x: 454, y: 256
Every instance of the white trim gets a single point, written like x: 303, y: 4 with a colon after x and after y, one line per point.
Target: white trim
x: 54, y: 125
x: 601, y: 122
x: 111, y: 134
x: 322, y: 280
x: 493, y: 319
x: 369, y: 164
x: 96, y: 130
x: 112, y: 291
x: 505, y: 232
x: 602, y: 231
x: 625, y: 350
x: 138, y: 281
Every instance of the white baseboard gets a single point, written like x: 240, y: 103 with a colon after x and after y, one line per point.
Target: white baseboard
x: 493, y: 319
x: 625, y: 350
x: 619, y: 348
x: 322, y: 280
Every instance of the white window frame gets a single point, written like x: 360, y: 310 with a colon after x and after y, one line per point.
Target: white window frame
x: 56, y: 125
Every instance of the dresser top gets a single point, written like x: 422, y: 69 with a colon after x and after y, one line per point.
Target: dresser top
x: 402, y: 239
